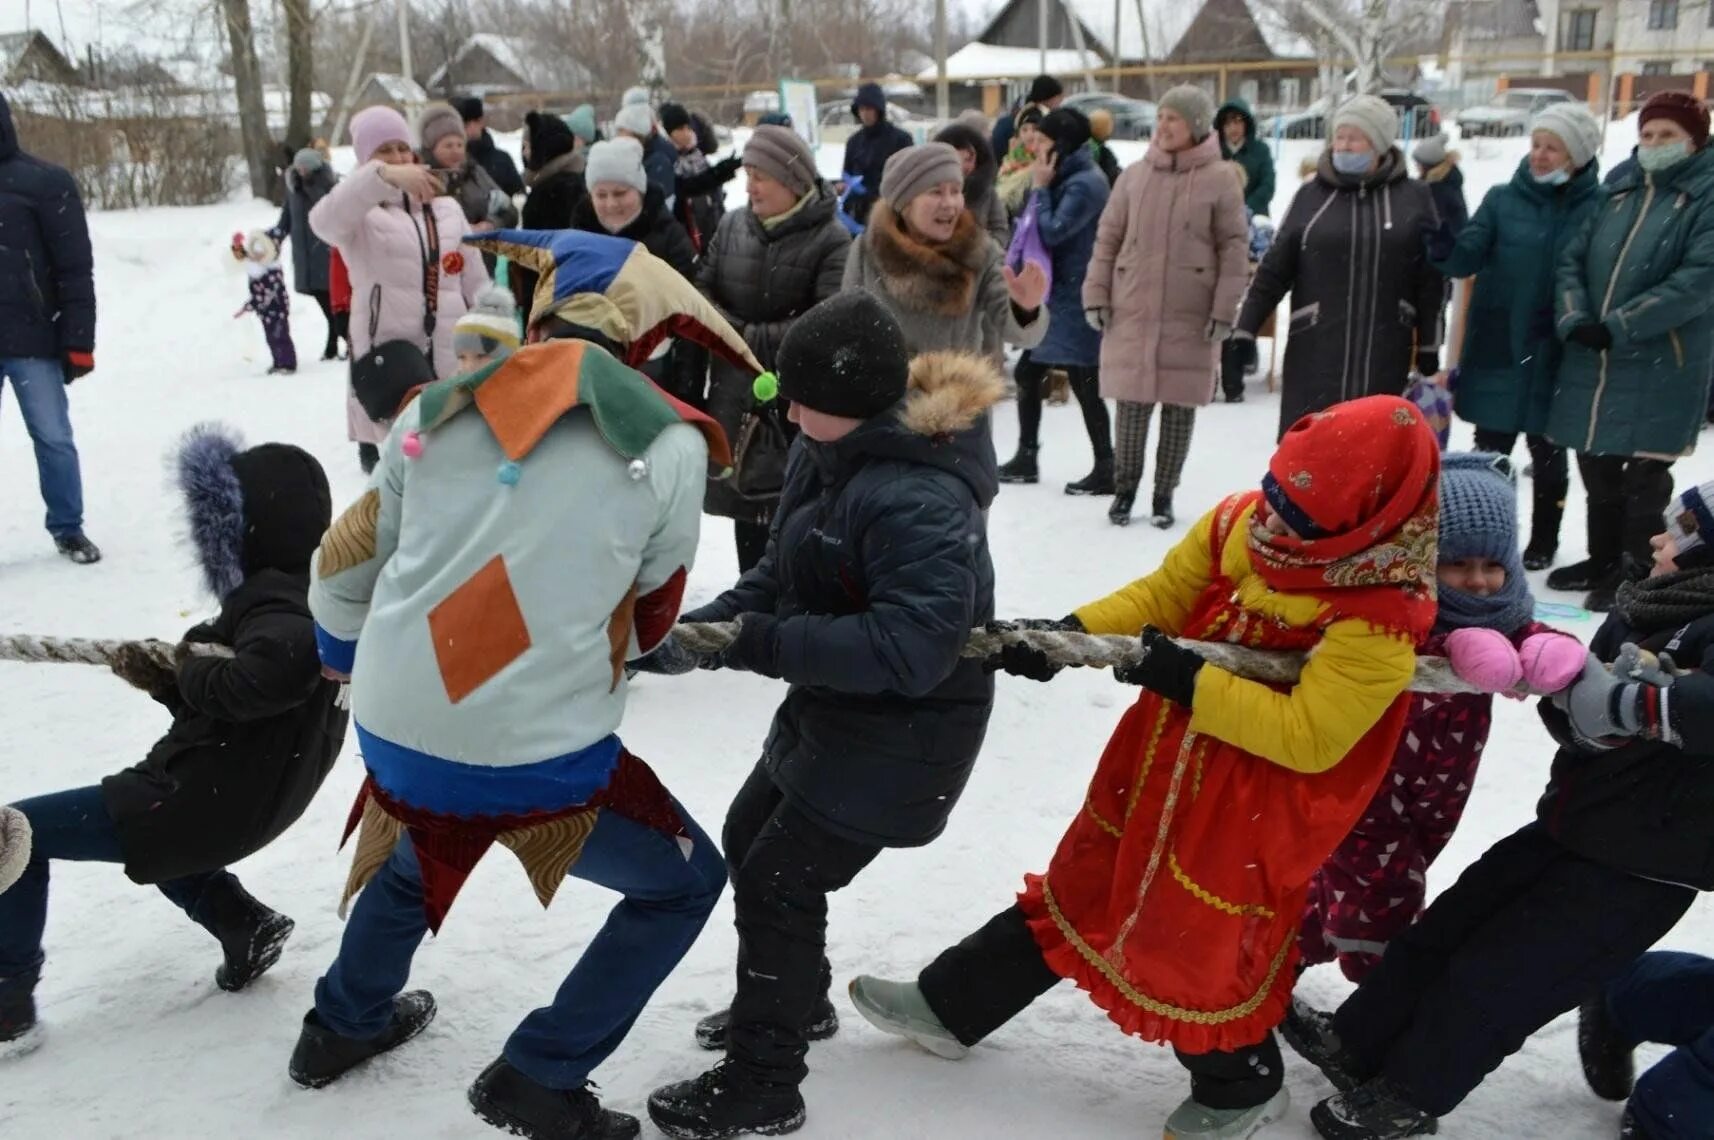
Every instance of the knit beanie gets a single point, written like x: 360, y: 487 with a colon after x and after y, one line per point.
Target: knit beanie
x: 439, y: 121
x: 673, y: 116
x: 774, y: 119
x: 1679, y: 107
x: 635, y: 95
x: 916, y: 169
x: 582, y: 123
x: 469, y: 108
x: 1372, y: 115
x: 1194, y: 105
x: 1575, y: 126
x: 490, y: 325
x: 308, y: 161
x: 636, y: 118
x: 1690, y: 525
x: 1478, y: 508
x: 374, y: 127
x: 1043, y: 88
x: 616, y: 160
x: 845, y: 357
x: 1431, y: 151
x: 549, y: 138
x: 1068, y: 128
x: 783, y: 156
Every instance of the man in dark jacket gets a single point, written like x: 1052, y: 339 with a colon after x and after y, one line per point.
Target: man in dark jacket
x: 1622, y: 841
x: 1238, y: 143
x: 255, y: 727
x: 867, y: 151
x: 877, y: 570
x: 1045, y: 92
x: 660, y: 157
x: 47, y: 322
x: 480, y: 146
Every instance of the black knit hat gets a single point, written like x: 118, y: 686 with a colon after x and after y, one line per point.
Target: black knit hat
x: 845, y: 357
x: 1069, y: 129
x: 469, y: 108
x: 1029, y: 115
x: 1043, y: 88
x: 549, y: 138
x: 672, y: 116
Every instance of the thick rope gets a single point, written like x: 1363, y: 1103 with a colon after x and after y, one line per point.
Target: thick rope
x: 100, y: 651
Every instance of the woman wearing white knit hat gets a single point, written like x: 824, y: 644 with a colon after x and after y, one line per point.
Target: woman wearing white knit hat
x: 1365, y: 303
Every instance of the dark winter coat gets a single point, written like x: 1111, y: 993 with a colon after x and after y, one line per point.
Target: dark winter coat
x: 1647, y: 806
x: 867, y: 151
x: 877, y: 569
x: 1363, y: 296
x: 1106, y: 161
x: 496, y: 162
x: 980, y: 197
x: 310, y: 255
x: 1644, y: 267
x: 1510, y: 359
x: 1446, y: 183
x: 255, y: 734
x: 474, y: 188
x: 47, y: 282
x: 763, y: 278
x: 1254, y: 156
x: 1068, y: 212
x: 556, y: 190
x: 660, y: 166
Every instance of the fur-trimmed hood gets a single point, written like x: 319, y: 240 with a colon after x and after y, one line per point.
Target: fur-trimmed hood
x: 14, y: 846
x: 937, y: 279
x: 949, y: 392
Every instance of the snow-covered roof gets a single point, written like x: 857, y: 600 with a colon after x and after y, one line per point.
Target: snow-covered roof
x: 399, y: 88
x: 508, y: 51
x: 132, y: 103
x: 985, y: 61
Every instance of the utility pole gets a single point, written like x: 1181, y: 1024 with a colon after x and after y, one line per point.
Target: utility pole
x: 1041, y: 33
x: 942, y: 94
x: 1118, y: 32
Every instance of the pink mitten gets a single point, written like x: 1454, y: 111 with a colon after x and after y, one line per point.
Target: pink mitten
x: 1484, y: 658
x: 1551, y: 661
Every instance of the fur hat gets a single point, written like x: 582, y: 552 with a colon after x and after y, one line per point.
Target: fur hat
x: 1575, y: 126
x: 1679, y: 107
x: 915, y: 169
x: 636, y: 118
x: 1043, y: 88
x: 374, y: 127
x: 582, y: 123
x: 490, y: 325
x: 780, y: 154
x: 1192, y: 104
x: 845, y: 357
x: 1431, y: 151
x: 549, y: 137
x: 616, y: 160
x: 439, y: 121
x: 1372, y: 115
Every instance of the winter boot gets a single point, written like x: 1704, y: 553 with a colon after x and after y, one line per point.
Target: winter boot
x: 1097, y: 482
x: 251, y: 935
x: 1192, y: 1121
x: 1374, y: 1111
x: 19, y: 1031
x: 1545, y: 517
x: 1022, y: 466
x: 1608, y: 1065
x: 723, y: 1102
x: 1310, y: 1033
x: 823, y: 1023
x: 514, y: 1103
x: 900, y: 1009
x: 1162, y: 516
x: 1119, y: 514
x: 77, y: 548
x: 1585, y: 575
x: 323, y: 1056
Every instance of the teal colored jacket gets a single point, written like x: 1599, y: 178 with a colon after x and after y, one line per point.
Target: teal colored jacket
x: 1510, y: 357
x: 1644, y: 267
x: 1254, y: 156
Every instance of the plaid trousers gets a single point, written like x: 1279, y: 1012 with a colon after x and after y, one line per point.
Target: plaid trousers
x: 1132, y: 443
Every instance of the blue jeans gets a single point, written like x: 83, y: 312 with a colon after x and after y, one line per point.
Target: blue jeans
x: 1668, y: 998
x: 71, y: 825
x: 40, y: 387
x: 668, y: 898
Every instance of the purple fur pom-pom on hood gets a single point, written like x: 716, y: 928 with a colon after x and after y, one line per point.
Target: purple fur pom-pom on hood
x: 214, y: 503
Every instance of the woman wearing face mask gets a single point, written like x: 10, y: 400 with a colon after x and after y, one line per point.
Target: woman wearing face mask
x: 1365, y: 303
x: 1632, y: 302
x: 1510, y: 358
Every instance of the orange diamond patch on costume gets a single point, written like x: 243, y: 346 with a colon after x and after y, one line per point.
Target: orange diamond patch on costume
x: 478, y: 630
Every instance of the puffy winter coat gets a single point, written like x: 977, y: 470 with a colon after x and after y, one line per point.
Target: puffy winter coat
x: 763, y: 278
x: 1254, y: 156
x: 1510, y: 359
x: 1171, y: 254
x: 876, y: 570
x: 1067, y: 213
x: 47, y: 282
x: 384, y: 243
x: 867, y: 152
x: 1644, y: 267
x: 946, y: 297
x: 310, y: 255
x: 660, y: 166
x: 496, y: 162
x: 255, y: 734
x: 1363, y: 296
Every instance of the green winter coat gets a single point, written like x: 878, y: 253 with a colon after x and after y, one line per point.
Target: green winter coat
x: 1643, y: 265
x: 1254, y: 156
x: 1510, y: 359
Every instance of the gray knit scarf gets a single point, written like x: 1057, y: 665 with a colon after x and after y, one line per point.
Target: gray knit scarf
x: 1667, y: 602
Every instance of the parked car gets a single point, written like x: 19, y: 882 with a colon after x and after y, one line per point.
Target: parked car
x: 1132, y: 118
x: 1510, y: 114
x: 1418, y: 117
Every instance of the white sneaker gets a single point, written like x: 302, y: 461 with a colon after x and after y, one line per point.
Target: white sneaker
x: 1192, y: 1121
x: 900, y: 1009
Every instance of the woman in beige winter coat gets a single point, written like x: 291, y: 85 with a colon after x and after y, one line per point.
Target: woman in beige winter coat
x: 1170, y: 266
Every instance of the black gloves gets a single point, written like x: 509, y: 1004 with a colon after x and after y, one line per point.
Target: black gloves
x: 1164, y: 668
x: 1024, y: 660
x: 1592, y: 335
x: 1427, y: 362
x: 1437, y: 240
x: 728, y: 168
x: 1243, y: 350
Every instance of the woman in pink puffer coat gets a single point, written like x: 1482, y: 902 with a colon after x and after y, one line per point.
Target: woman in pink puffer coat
x: 376, y: 219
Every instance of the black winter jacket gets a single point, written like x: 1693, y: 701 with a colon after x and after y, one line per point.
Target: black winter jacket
x: 1363, y: 295
x: 876, y: 571
x: 1647, y: 806
x: 762, y: 280
x: 310, y: 255
x: 47, y: 281
x: 556, y: 190
x: 866, y: 154
x: 496, y: 162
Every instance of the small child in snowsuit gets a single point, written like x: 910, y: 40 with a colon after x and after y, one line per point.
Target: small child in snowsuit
x: 254, y: 733
x: 1238, y: 356
x: 269, y: 300
x: 1375, y: 884
x: 488, y: 331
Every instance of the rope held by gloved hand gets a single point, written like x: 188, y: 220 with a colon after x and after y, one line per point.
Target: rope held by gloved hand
x: 1103, y: 651
x: 100, y: 651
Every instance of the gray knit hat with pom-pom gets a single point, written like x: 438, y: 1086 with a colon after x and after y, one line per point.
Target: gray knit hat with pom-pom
x: 491, y: 324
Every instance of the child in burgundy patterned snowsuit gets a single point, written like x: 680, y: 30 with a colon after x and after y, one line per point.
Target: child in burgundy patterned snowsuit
x: 259, y: 250
x: 1375, y: 884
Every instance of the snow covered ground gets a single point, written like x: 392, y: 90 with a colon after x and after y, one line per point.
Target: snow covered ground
x: 142, y: 1044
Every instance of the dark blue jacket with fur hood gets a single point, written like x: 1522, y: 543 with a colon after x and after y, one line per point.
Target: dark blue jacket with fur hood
x: 255, y: 734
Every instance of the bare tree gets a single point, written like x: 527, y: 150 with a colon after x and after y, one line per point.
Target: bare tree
x: 1365, y: 34
x: 247, y: 77
x: 300, y: 71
